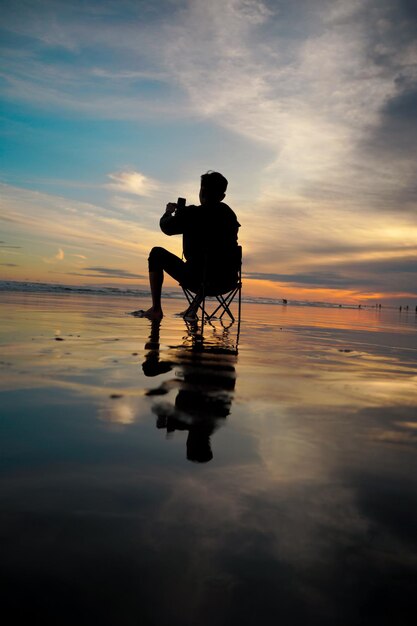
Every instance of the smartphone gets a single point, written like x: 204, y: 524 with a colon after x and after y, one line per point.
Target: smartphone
x: 180, y: 204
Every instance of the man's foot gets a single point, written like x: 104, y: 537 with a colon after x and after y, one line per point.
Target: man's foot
x: 190, y: 315
x: 150, y: 314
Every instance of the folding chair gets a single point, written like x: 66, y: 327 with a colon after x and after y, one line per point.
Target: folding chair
x: 223, y: 299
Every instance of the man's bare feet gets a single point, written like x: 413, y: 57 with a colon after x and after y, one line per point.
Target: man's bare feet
x: 150, y: 314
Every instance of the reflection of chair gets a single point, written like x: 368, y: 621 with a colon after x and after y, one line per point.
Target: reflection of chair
x: 222, y: 296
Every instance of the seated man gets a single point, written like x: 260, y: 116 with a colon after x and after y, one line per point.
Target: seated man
x: 209, y: 244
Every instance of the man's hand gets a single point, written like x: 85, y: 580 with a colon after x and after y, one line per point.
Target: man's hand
x: 171, y: 208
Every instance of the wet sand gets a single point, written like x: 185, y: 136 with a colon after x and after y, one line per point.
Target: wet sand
x: 151, y: 478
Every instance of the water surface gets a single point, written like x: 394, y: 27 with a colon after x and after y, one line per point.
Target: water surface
x: 149, y: 477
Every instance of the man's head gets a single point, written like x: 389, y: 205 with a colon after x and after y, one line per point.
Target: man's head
x: 213, y: 187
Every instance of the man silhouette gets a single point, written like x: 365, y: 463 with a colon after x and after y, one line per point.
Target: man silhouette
x: 209, y: 245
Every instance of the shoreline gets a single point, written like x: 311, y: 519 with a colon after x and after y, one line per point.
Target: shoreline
x: 26, y: 287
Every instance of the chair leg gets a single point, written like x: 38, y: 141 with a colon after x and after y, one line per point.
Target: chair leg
x: 223, y: 302
x: 203, y: 308
x: 188, y: 295
x: 198, y: 302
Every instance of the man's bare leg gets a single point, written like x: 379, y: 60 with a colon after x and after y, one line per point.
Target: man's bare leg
x: 156, y: 280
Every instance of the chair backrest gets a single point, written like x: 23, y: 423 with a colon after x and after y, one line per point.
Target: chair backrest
x: 229, y: 279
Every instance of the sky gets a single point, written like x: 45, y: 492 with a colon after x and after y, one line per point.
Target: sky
x: 111, y: 109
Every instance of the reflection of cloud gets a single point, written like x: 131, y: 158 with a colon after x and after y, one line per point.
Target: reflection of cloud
x: 120, y: 411
x: 303, y: 516
x: 132, y: 182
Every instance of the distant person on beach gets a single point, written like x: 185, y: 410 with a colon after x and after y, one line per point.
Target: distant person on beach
x: 209, y: 245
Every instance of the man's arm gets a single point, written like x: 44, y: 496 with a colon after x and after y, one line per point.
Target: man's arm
x: 170, y: 223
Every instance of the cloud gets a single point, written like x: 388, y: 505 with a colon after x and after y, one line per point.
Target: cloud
x: 326, y: 245
x: 316, y: 279
x: 239, y: 64
x: 3, y: 246
x: 390, y: 142
x: 285, y: 230
x: 77, y: 224
x: 314, y: 94
x: 310, y: 81
x: 386, y: 276
x: 54, y: 63
x: 9, y: 264
x: 106, y: 272
x: 59, y: 256
x: 326, y: 90
x: 132, y: 182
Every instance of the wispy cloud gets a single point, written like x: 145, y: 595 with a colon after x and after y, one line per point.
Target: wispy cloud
x: 77, y: 223
x: 317, y: 279
x: 313, y: 83
x: 83, y: 229
x: 319, y: 96
x: 59, y: 256
x: 385, y: 276
x: 106, y: 272
x: 5, y: 246
x: 122, y: 87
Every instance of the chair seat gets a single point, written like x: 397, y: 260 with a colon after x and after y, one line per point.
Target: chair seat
x: 211, y: 290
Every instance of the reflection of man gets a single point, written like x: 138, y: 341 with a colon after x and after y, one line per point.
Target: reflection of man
x: 205, y: 391
x: 209, y: 244
x: 198, y: 439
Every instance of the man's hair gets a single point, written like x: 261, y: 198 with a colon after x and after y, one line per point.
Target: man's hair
x: 214, y: 184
